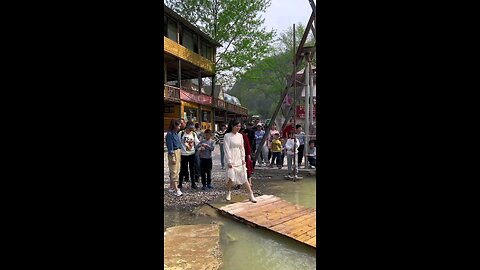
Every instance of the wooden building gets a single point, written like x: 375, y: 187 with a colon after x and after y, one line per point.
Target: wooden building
x: 189, y: 72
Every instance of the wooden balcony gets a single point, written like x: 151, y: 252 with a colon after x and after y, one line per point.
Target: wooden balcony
x: 221, y: 104
x: 183, y: 53
x: 176, y: 94
x: 171, y: 93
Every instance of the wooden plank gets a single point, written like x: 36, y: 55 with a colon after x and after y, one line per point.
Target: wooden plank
x: 275, y: 214
x: 291, y: 217
x: 254, y: 207
x: 247, y: 203
x: 305, y: 227
x: 312, y: 242
x: 285, y: 211
x: 270, y: 217
x: 259, y: 199
x: 260, y: 211
x: 292, y: 222
x: 307, y: 235
x: 257, y: 208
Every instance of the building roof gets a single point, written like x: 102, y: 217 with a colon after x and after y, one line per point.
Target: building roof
x: 192, y: 27
x: 300, y: 72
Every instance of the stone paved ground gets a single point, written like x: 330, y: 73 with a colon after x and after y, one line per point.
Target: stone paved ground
x: 195, y: 197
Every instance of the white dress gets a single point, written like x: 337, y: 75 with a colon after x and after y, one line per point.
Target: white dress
x: 235, y: 155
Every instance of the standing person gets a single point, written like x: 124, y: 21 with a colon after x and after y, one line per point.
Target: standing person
x: 301, y: 139
x: 182, y: 124
x: 273, y: 131
x: 188, y: 140
x: 174, y: 156
x: 219, y: 136
x: 264, y: 149
x: 251, y: 136
x: 198, y: 130
x: 276, y: 150
x: 292, y: 149
x: 197, y: 167
x: 235, y: 158
x: 248, y: 155
x: 312, y: 154
x: 287, y: 129
x: 205, y: 149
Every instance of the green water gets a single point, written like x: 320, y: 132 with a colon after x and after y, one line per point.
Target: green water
x: 246, y: 248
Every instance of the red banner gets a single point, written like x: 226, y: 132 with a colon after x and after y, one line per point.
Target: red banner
x: 301, y: 111
x: 197, y: 98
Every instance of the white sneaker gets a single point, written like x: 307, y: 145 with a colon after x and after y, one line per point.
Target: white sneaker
x: 228, y: 198
x: 178, y: 193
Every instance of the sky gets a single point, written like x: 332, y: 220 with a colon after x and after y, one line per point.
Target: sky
x: 282, y: 14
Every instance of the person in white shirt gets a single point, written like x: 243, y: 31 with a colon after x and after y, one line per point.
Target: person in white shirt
x: 291, y: 146
x: 188, y: 141
x: 235, y: 159
x: 312, y: 154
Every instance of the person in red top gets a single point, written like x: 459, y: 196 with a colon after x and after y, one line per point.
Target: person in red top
x: 248, y: 157
x: 287, y: 130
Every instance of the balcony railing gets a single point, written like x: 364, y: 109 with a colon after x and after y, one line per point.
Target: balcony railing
x: 177, y: 94
x: 171, y: 92
x: 180, y: 51
x: 221, y: 104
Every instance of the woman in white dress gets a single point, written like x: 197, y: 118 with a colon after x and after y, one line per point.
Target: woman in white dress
x: 235, y: 159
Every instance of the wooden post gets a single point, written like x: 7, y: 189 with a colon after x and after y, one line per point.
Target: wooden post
x: 179, y: 79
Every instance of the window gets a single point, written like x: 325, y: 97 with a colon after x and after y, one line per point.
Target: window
x: 187, y: 39
x: 209, y: 53
x: 190, y: 114
x: 203, y: 48
x: 172, y: 30
x: 165, y: 25
x: 206, y: 116
x: 195, y: 43
x: 206, y: 50
x: 168, y: 109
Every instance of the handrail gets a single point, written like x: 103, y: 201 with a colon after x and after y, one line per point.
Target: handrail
x: 171, y: 92
x: 174, y: 92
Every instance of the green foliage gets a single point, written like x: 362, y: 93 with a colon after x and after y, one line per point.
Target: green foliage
x: 260, y: 88
x: 237, y: 25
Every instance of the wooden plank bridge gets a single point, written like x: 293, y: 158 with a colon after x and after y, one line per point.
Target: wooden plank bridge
x: 277, y: 215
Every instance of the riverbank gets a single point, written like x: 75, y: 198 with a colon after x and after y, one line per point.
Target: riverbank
x: 191, y: 198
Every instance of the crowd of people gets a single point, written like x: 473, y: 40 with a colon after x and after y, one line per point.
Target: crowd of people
x: 190, y: 153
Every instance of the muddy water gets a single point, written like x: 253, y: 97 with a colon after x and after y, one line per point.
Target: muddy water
x: 244, y: 247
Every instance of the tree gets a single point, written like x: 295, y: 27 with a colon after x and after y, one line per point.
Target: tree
x: 260, y: 87
x: 237, y: 25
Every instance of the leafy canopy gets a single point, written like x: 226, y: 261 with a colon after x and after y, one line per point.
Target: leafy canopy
x: 237, y: 25
x: 260, y: 87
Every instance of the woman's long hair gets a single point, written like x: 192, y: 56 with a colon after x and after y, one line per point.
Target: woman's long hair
x: 231, y: 124
x: 174, y: 122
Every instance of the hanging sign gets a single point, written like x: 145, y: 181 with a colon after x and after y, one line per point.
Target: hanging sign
x: 197, y: 98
